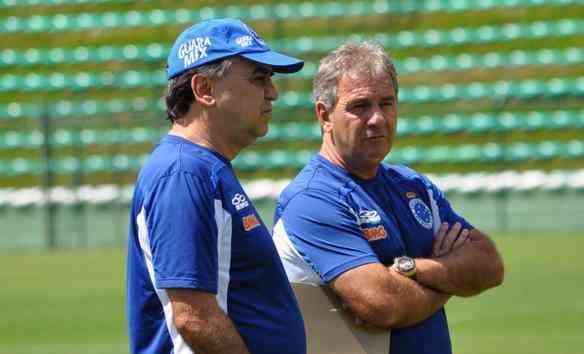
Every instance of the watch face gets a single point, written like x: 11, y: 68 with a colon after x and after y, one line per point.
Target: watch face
x: 405, y: 264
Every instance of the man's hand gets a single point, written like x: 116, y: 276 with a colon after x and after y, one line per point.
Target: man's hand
x: 448, y: 240
x: 464, y: 263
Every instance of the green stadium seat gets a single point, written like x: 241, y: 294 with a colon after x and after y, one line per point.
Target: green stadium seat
x: 408, y: 155
x: 438, y: 155
x: 481, y: 123
x: 467, y: 153
x: 454, y: 123
x: 519, y: 152
x: 574, y: 149
x: 427, y: 125
x: 492, y: 153
x: 67, y: 165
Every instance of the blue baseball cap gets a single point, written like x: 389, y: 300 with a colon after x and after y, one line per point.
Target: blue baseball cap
x: 212, y: 40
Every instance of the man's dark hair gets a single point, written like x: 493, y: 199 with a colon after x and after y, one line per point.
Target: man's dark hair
x: 179, y: 95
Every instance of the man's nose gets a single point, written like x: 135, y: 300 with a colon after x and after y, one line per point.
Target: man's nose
x: 377, y: 116
x: 271, y: 92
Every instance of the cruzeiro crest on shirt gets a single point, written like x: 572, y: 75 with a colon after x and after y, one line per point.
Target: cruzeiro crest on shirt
x: 421, y: 212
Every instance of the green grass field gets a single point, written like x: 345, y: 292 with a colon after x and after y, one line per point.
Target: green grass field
x: 73, y: 302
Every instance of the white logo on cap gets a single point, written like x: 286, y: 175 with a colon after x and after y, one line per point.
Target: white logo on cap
x: 193, y: 50
x: 254, y: 34
x: 244, y: 41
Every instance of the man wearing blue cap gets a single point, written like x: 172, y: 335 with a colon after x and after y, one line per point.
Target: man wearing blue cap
x: 203, y: 274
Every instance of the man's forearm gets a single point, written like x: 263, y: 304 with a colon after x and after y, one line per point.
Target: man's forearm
x: 380, y: 296
x: 467, y: 271
x: 216, y: 335
x: 202, y: 323
x: 414, y: 302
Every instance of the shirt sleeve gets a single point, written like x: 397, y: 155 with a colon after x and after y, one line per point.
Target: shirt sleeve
x: 183, y: 233
x: 326, y: 234
x: 442, y: 206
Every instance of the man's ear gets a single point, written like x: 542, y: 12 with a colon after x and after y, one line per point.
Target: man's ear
x: 324, y: 117
x: 202, y: 88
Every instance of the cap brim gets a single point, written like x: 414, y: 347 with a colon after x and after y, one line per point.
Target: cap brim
x: 280, y: 63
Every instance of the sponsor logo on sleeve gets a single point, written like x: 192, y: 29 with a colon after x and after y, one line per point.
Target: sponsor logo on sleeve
x: 374, y: 233
x: 239, y: 201
x: 369, y: 217
x: 250, y: 222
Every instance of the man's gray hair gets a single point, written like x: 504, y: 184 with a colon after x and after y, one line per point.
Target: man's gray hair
x: 179, y: 95
x: 368, y: 58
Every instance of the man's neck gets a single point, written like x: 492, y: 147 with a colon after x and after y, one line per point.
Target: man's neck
x: 200, y: 133
x: 353, y: 167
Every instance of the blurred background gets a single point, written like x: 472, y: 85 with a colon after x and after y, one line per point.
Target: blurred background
x: 491, y: 107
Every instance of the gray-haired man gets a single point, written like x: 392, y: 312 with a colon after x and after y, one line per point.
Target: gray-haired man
x: 383, y: 237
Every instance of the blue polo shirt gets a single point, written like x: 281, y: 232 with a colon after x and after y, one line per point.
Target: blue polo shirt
x: 328, y: 221
x: 192, y: 226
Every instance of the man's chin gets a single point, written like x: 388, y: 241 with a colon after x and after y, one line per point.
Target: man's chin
x: 378, y: 156
x: 261, y: 132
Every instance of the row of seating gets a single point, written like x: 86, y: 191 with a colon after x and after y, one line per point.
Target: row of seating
x: 477, y: 123
x: 428, y: 5
x: 466, y: 61
x: 411, y: 65
x: 477, y: 182
x: 22, y: 3
x: 447, y: 37
x: 440, y: 154
x: 522, y: 89
x: 65, y: 138
x: 280, y: 159
x: 154, y: 52
x: 285, y: 11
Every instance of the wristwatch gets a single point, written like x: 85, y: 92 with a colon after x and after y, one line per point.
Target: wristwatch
x: 405, y: 265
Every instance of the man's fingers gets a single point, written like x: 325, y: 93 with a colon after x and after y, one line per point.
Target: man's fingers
x: 436, y: 247
x: 453, y: 236
x: 462, y: 237
x: 450, y: 237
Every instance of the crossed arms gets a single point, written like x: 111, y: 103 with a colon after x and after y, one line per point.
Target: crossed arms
x: 464, y: 263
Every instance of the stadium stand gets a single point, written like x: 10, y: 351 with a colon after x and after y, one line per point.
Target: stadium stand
x: 501, y: 90
x: 285, y: 11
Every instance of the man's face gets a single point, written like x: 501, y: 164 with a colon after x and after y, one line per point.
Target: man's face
x: 244, y: 101
x: 363, y: 122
